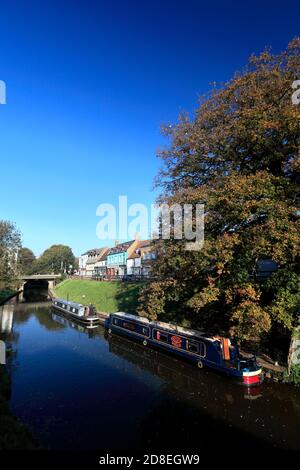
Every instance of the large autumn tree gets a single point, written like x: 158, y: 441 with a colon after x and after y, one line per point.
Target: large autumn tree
x: 26, y: 259
x: 240, y: 156
x: 57, y: 259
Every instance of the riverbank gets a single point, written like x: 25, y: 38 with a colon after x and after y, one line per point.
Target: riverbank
x: 106, y: 296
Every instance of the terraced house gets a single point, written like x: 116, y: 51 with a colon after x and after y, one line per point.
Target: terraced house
x: 100, y: 265
x: 117, y: 257
x: 89, y: 259
x: 140, y: 261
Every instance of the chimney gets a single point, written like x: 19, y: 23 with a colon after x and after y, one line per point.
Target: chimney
x: 116, y: 242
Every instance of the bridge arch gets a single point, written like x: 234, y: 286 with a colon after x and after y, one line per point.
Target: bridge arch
x: 37, y: 286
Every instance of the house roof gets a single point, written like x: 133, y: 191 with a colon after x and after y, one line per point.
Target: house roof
x: 96, y: 253
x: 137, y: 252
x: 144, y: 243
x: 103, y: 256
x: 91, y: 251
x: 120, y: 248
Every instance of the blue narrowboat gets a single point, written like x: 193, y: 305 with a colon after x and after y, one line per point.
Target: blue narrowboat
x: 215, y: 352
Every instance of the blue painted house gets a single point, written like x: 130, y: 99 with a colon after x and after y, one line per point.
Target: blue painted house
x: 117, y: 258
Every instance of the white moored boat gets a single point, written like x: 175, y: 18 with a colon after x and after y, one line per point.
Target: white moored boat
x: 83, y: 313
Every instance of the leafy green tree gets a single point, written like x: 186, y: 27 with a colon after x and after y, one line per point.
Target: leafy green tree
x: 10, y: 243
x: 57, y: 259
x: 26, y: 259
x: 240, y: 157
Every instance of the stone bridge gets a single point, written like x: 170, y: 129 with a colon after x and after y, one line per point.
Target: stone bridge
x: 50, y: 278
x: 37, y: 285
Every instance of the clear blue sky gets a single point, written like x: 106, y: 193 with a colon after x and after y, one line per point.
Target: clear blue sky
x: 89, y: 84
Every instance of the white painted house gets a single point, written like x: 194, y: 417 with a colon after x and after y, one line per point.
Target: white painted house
x: 82, y: 263
x: 140, y: 261
x: 88, y: 260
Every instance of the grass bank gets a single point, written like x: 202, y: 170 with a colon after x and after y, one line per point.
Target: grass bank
x: 106, y: 296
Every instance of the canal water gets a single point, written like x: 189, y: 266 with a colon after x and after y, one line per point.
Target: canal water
x: 79, y: 389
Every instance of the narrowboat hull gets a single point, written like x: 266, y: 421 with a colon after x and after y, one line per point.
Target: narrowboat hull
x: 243, y: 376
x: 88, y: 322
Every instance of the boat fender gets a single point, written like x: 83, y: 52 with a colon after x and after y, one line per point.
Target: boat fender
x: 200, y: 364
x: 109, y: 330
x: 145, y: 342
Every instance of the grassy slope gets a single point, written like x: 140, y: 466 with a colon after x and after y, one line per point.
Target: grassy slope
x: 106, y: 296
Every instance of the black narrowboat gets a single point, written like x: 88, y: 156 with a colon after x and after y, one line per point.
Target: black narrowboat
x: 215, y: 352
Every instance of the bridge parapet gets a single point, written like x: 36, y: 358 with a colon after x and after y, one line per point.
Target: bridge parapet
x: 38, y: 277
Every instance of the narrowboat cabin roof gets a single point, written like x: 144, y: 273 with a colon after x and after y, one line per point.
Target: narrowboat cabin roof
x: 131, y: 316
x: 68, y: 302
x: 168, y: 326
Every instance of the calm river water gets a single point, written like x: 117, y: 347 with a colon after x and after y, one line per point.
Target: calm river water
x: 78, y: 389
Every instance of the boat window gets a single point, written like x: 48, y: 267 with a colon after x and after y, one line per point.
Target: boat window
x: 160, y: 336
x: 137, y: 328
x: 202, y: 349
x: 129, y: 326
x: 193, y: 347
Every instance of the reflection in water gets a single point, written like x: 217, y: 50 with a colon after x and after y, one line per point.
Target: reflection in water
x: 66, y: 322
x: 78, y: 388
x: 6, y: 318
x: 273, y: 417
